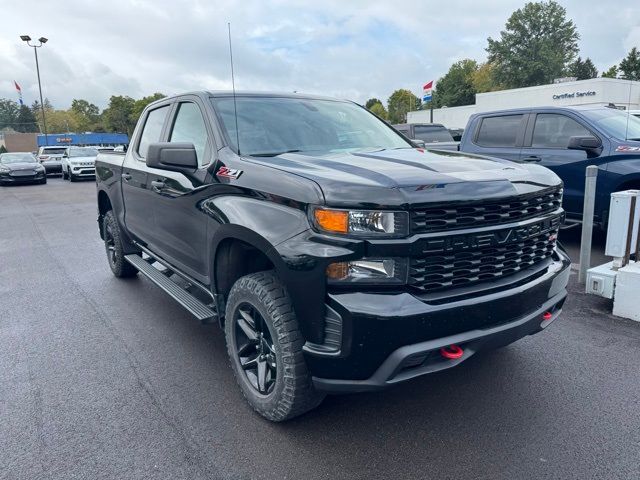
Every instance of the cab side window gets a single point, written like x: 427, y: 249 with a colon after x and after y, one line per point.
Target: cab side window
x: 152, y: 129
x: 553, y: 131
x: 189, y: 127
x: 501, y: 131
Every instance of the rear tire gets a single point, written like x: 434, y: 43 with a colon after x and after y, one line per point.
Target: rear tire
x: 113, y: 246
x: 261, y: 328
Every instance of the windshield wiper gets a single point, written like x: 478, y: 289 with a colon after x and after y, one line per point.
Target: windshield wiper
x: 273, y: 154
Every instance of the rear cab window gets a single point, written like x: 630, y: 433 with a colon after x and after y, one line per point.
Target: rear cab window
x: 499, y: 131
x: 430, y: 134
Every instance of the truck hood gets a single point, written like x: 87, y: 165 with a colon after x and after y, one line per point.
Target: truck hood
x: 405, y: 177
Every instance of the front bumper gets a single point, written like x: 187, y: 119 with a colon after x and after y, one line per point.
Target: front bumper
x: 8, y: 179
x: 83, y: 171
x: 387, y: 339
x: 52, y: 167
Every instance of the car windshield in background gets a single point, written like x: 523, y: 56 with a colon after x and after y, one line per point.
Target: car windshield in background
x: 53, y: 151
x: 616, y: 123
x: 83, y: 152
x: 7, y: 158
x: 269, y: 126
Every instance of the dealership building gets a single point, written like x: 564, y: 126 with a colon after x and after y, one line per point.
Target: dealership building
x: 624, y: 94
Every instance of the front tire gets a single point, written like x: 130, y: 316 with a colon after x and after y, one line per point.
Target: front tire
x: 113, y: 246
x: 64, y: 175
x: 72, y: 177
x: 265, y: 348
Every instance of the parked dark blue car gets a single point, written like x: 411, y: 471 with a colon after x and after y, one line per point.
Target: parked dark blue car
x: 566, y: 140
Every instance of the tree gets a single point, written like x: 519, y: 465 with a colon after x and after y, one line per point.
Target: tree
x: 26, y: 121
x: 536, y: 46
x: 140, y: 105
x: 117, y: 116
x: 3, y: 149
x: 611, y: 73
x: 8, y: 114
x: 456, y: 86
x: 371, y: 102
x: 582, y: 70
x: 483, y: 79
x: 379, y: 110
x: 61, y: 121
x: 87, y: 115
x: 400, y: 102
x: 630, y: 66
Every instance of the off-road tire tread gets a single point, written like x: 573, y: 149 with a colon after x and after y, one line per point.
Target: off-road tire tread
x: 122, y: 268
x: 298, y: 395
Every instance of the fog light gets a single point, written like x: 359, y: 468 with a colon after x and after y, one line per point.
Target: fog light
x: 368, y: 270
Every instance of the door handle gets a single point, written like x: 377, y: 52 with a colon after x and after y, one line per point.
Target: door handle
x: 126, y: 177
x: 158, y: 184
x: 532, y: 158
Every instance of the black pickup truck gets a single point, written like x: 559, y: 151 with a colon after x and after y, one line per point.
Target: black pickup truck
x: 336, y: 256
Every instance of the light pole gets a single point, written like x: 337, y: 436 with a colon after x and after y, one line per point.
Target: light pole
x: 42, y: 40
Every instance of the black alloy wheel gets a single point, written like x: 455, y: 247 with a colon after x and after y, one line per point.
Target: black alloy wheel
x: 110, y: 244
x: 255, y: 349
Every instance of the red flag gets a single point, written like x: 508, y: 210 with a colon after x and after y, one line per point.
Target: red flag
x: 17, y: 86
x: 428, y: 85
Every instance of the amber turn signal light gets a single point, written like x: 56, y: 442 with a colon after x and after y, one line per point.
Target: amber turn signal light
x: 332, y: 220
x: 337, y: 271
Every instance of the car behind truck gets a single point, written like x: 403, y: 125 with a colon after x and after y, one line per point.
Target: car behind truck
x: 336, y: 257
x: 565, y: 140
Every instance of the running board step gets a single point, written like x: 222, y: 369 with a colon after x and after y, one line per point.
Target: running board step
x: 184, y: 298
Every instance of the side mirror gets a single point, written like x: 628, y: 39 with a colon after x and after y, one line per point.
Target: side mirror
x: 418, y: 143
x: 584, y: 143
x: 175, y: 157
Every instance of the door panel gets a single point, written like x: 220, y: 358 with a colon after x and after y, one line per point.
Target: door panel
x: 136, y: 187
x: 181, y: 224
x: 548, y: 140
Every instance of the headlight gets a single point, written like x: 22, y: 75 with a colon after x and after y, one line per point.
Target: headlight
x: 4, y: 169
x: 39, y: 168
x: 362, y: 223
x: 369, y: 270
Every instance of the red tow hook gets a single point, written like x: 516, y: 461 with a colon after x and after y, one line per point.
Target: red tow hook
x: 451, y: 352
x: 547, y: 316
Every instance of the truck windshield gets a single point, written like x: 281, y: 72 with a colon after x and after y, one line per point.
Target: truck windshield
x: 269, y: 126
x: 616, y: 123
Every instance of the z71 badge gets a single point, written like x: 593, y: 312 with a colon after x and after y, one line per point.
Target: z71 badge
x: 227, y: 172
x: 627, y: 148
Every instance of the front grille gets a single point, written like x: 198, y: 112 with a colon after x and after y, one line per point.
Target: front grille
x: 485, y: 213
x: 441, y: 270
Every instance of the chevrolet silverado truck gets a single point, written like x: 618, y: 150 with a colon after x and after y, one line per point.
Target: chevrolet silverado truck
x: 566, y: 140
x: 335, y: 255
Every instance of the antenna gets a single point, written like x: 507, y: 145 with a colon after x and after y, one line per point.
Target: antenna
x: 233, y: 86
x: 626, y: 132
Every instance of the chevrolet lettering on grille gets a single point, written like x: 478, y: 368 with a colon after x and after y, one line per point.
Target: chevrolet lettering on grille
x: 492, y: 238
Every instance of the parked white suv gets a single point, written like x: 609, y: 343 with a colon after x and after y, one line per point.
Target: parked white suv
x: 51, y: 158
x: 79, y: 162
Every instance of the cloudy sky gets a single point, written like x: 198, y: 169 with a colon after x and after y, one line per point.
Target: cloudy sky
x: 353, y: 49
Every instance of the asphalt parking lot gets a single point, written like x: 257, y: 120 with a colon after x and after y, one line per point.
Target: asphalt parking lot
x: 105, y: 378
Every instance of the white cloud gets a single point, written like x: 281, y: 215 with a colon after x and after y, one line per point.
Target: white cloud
x: 354, y: 49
